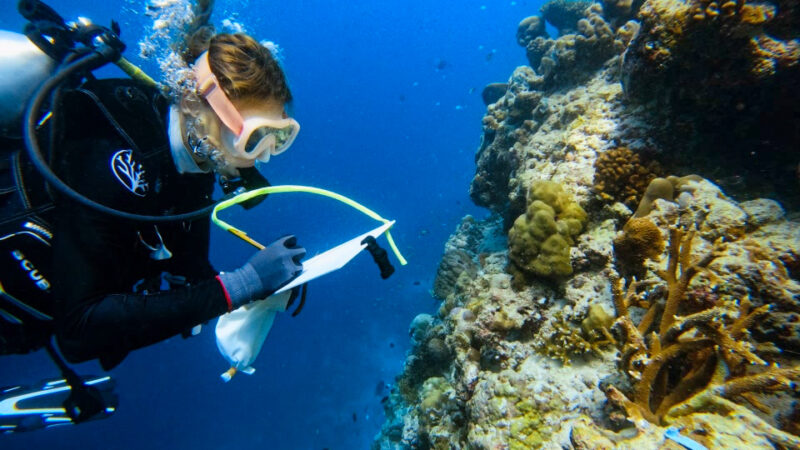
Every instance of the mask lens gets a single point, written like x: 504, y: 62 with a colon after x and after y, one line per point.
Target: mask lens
x: 276, y: 139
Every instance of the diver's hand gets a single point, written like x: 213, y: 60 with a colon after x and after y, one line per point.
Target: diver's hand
x: 265, y: 272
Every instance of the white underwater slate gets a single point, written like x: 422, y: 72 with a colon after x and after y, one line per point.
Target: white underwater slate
x: 334, y: 258
x: 241, y: 333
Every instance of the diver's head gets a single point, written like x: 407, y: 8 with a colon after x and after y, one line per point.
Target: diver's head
x: 235, y: 114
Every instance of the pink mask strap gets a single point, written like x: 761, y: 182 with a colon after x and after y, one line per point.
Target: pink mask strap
x: 209, y: 88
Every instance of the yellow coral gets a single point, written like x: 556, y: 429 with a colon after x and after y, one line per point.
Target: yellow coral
x: 540, y: 240
x: 568, y: 341
x: 757, y: 14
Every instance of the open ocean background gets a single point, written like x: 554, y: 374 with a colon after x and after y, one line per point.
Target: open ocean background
x: 388, y: 95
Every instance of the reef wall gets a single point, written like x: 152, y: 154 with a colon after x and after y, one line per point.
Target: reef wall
x: 633, y: 275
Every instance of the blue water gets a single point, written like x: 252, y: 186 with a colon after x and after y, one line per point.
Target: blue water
x: 388, y: 96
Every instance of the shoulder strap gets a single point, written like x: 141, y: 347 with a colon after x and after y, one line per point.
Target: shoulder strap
x: 129, y: 108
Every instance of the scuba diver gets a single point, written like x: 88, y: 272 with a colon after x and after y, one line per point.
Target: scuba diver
x: 104, y: 227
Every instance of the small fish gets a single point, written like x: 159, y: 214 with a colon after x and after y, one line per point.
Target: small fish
x: 354, y: 417
x: 441, y: 64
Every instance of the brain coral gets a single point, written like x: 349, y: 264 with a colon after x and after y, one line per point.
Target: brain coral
x: 540, y: 240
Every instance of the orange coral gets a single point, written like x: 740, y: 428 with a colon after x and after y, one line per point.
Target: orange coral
x: 640, y: 240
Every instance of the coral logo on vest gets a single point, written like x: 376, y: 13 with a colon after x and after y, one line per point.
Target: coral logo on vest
x: 128, y: 172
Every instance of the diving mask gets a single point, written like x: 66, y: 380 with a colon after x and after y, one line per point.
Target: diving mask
x: 252, y: 138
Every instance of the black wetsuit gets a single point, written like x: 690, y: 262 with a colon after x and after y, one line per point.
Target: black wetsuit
x: 108, y: 140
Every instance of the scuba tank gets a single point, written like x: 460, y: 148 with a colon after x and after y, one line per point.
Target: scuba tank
x: 23, y: 68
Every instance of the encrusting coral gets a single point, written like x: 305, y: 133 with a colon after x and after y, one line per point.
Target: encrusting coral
x: 696, y: 361
x: 540, y: 240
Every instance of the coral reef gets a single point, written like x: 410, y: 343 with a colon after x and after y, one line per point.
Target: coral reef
x: 539, y: 242
x: 705, y: 339
x: 566, y: 341
x: 585, y: 42
x: 722, y: 75
x: 689, y: 359
x: 564, y: 14
x: 621, y: 176
x: 639, y: 241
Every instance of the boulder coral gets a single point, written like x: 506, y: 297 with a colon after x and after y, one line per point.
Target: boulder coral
x: 539, y: 241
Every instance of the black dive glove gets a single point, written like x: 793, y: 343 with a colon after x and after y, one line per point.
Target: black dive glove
x: 265, y: 272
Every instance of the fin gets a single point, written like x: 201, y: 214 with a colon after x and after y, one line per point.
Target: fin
x: 27, y: 408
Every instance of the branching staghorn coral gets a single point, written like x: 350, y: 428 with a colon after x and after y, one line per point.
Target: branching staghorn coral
x: 682, y: 364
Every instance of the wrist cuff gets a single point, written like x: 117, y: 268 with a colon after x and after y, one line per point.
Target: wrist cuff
x: 225, y: 292
x: 242, y: 285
